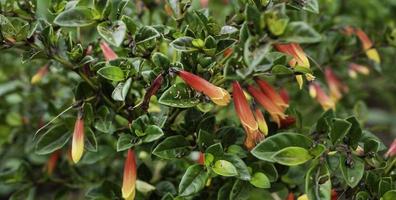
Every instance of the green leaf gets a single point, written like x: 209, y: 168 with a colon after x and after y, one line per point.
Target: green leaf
x: 260, y: 180
x: 121, y: 91
x: 240, y: 166
x: 281, y: 70
x: 276, y: 19
x: 318, y: 182
x: 265, y: 149
x: 193, y: 180
x: 52, y: 140
x: 291, y: 156
x: 301, y: 32
x: 76, y: 17
x: 145, y: 34
x: 307, y: 5
x: 112, y: 73
x: 339, y: 129
x: 153, y: 133
x: 130, y: 24
x: 204, y: 139
x: 390, y: 195
x: 90, y: 142
x: 172, y: 147
x: 160, y: 60
x: 302, y: 70
x: 113, y: 33
x: 183, y: 44
x: 240, y: 191
x: 352, y: 171
x: 126, y: 141
x: 179, y: 95
x: 224, y: 168
x: 355, y: 132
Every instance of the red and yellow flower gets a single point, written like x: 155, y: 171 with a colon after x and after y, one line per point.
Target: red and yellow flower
x: 276, y: 112
x: 246, y: 116
x: 299, y: 59
x: 41, y: 72
x: 335, y: 85
x: 317, y: 92
x: 78, y: 139
x: 129, y: 179
x: 108, y: 53
x: 354, y: 69
x: 367, y: 44
x: 270, y: 92
x: 218, y: 95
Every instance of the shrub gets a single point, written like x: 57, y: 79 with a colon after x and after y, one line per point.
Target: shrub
x: 232, y: 99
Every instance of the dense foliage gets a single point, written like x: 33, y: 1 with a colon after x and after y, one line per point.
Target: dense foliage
x: 188, y: 99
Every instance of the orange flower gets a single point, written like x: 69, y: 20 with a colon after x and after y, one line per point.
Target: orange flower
x: 51, y: 164
x: 108, y: 53
x: 275, y: 111
x: 270, y: 92
x: 316, y: 92
x: 218, y: 95
x: 367, y: 44
x: 129, y: 179
x: 78, y: 139
x: 40, y: 74
x: 228, y: 52
x: 246, y: 116
x: 354, y: 68
x: 299, y: 59
x: 335, y: 85
x: 285, y: 96
x: 392, y: 149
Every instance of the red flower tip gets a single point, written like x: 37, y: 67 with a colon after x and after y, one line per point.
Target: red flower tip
x: 78, y: 140
x: 334, y: 195
x: 285, y: 95
x: 129, y: 178
x: 52, y: 161
x: 228, y: 52
x: 218, y: 95
x: 201, y: 158
x: 366, y: 42
x: 288, y: 121
x: 290, y: 196
x: 335, y: 85
x: 392, y: 150
x: 354, y: 69
x: 270, y: 92
x: 108, y: 53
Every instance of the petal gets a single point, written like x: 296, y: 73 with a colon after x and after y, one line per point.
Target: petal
x: 242, y: 108
x: 108, y: 53
x: 78, y: 140
x: 271, y: 93
x: 218, y: 95
x: 373, y: 55
x: 129, y: 178
x: 300, y: 81
x: 262, y: 124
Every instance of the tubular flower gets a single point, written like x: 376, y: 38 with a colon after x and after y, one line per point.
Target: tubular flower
x: 129, y: 179
x: 262, y: 124
x: 334, y: 195
x: 270, y: 92
x: 316, y: 92
x: 40, y: 74
x: 275, y: 111
x: 51, y: 164
x: 246, y: 116
x: 218, y: 95
x: 78, y: 139
x: 299, y: 59
x: 108, y: 53
x: 290, y: 196
x: 354, y: 69
x: 201, y: 158
x: 367, y: 44
x: 335, y: 85
x: 285, y: 96
x: 392, y: 149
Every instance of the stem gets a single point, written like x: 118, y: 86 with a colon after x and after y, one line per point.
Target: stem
x: 389, y: 167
